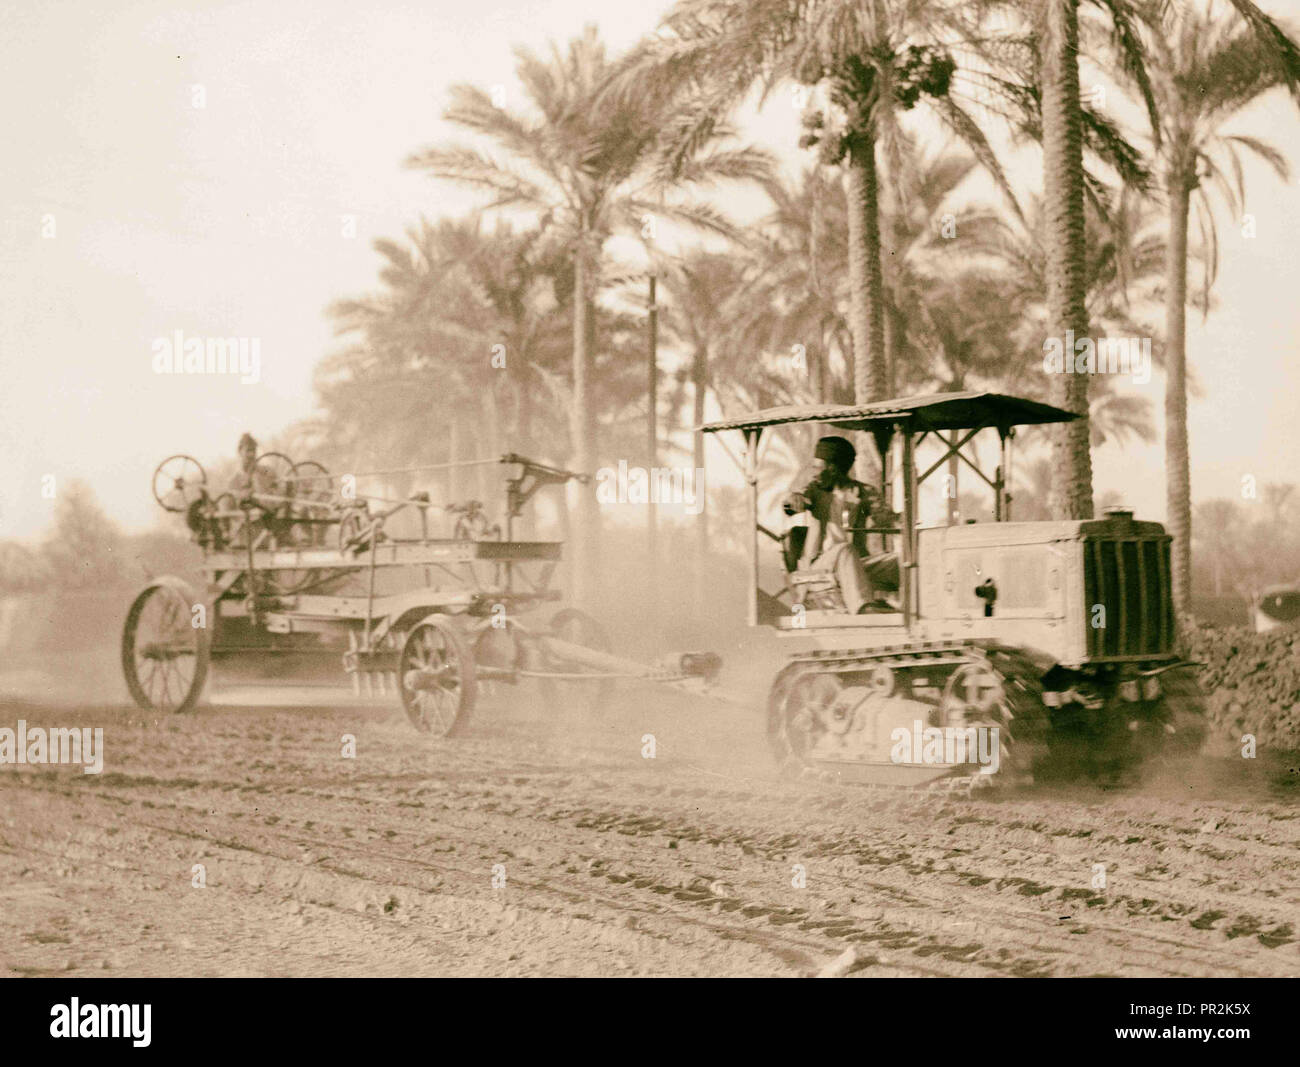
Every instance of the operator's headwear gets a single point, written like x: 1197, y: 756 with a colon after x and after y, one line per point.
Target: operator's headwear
x: 836, y: 450
x: 247, y: 439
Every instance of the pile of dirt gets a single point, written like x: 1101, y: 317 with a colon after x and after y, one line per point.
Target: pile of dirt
x: 1251, y: 682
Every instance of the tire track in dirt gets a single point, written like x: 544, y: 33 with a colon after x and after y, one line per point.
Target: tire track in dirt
x: 618, y: 865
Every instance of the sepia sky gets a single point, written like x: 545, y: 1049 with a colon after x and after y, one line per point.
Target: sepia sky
x: 129, y: 213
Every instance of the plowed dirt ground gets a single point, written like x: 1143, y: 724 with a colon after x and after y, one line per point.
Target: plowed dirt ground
x: 610, y: 863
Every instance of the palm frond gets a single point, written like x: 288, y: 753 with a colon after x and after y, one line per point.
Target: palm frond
x: 468, y: 166
x: 1265, y: 151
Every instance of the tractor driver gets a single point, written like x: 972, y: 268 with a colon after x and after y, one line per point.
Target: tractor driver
x: 838, y: 508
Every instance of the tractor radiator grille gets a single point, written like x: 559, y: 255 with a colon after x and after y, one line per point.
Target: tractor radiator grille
x: 1129, y: 578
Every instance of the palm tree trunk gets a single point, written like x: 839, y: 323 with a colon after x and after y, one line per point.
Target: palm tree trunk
x: 582, y: 428
x: 866, y: 283
x: 453, y: 473
x: 1178, y: 481
x: 820, y: 359
x: 1066, y: 286
x: 699, y: 382
x: 492, y: 437
x: 891, y: 353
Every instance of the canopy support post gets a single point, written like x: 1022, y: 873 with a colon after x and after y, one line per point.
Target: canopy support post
x: 752, y: 436
x: 1008, y: 447
x: 907, y: 573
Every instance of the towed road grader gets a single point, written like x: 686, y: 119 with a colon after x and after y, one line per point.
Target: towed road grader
x: 428, y: 603
x: 1009, y: 650
x: 1055, y: 641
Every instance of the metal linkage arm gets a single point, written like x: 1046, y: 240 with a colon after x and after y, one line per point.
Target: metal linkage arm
x: 534, y: 475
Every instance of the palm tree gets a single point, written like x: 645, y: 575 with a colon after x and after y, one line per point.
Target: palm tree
x: 1219, y: 538
x: 701, y: 291
x: 587, y: 166
x: 1207, y: 66
x: 876, y: 60
x: 449, y: 293
x: 794, y: 298
x: 1046, y: 62
x: 1123, y: 268
x: 921, y: 239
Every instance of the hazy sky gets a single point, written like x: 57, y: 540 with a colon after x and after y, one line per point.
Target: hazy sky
x: 227, y: 220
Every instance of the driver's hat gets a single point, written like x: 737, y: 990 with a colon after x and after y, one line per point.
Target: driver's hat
x: 836, y: 450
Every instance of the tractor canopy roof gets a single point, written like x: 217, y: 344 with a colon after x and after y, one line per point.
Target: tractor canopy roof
x: 937, y: 411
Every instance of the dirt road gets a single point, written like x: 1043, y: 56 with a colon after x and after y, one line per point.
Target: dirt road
x: 540, y: 845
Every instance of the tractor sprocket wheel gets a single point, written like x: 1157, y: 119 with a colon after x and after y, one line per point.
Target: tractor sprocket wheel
x: 798, y: 714
x: 975, y: 696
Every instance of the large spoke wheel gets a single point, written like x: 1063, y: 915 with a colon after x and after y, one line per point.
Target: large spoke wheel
x: 442, y: 697
x: 179, y: 482
x: 164, y: 657
x: 587, y: 695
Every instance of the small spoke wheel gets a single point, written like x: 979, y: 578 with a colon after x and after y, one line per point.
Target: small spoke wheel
x: 272, y: 489
x: 273, y: 474
x: 444, y: 698
x: 312, y: 489
x: 312, y: 483
x: 164, y: 657
x: 178, y: 482
x: 230, y: 520
x: 578, y: 628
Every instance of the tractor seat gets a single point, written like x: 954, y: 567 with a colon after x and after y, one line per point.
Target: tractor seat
x: 819, y: 589
x: 882, y: 571
x: 816, y: 589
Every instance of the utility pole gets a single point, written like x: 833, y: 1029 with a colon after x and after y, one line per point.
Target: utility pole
x: 652, y: 432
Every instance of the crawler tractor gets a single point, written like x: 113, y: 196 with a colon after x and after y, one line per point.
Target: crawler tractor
x: 1059, y: 635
